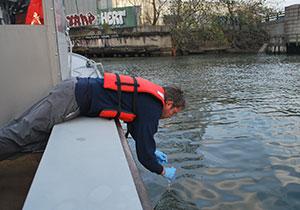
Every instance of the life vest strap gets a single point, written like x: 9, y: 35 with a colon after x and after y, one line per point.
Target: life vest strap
x: 119, y: 96
x: 119, y: 90
x: 135, y: 95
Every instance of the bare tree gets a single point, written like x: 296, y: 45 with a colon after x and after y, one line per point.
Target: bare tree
x: 185, y: 18
x: 243, y: 29
x: 152, y: 9
x: 158, y: 8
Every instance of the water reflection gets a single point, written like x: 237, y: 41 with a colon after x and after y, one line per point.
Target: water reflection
x: 237, y: 144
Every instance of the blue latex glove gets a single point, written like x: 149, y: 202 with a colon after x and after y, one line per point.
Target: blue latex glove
x: 170, y: 173
x: 161, y: 157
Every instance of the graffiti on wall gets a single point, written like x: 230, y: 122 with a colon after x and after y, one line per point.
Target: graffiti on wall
x: 91, y: 43
x: 119, y: 17
x: 115, y: 18
x: 112, y: 18
x: 76, y: 20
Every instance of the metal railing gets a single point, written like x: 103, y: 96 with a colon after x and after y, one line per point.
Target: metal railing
x: 274, y: 17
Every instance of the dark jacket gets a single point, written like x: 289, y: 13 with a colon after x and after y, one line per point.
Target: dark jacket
x: 92, y: 98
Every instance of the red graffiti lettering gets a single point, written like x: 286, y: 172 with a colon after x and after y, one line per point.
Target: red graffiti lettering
x: 81, y: 19
x: 91, y: 18
x: 76, y: 20
x: 84, y: 20
x: 70, y: 20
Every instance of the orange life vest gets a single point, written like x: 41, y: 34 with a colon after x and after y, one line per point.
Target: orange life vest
x: 135, y: 85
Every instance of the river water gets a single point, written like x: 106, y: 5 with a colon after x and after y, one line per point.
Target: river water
x: 237, y: 143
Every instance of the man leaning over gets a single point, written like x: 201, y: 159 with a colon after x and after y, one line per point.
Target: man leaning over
x: 137, y: 101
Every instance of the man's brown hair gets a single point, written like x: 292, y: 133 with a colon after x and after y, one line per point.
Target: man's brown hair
x: 175, y: 94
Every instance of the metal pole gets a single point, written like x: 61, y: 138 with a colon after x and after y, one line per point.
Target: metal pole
x: 76, y: 4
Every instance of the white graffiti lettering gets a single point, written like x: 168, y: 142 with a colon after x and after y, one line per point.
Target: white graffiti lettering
x: 112, y: 18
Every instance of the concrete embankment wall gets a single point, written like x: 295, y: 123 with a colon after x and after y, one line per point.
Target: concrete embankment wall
x: 292, y: 28
x: 277, y: 42
x: 285, y: 31
x: 146, y: 40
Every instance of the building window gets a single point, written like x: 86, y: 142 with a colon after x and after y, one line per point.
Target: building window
x: 28, y: 12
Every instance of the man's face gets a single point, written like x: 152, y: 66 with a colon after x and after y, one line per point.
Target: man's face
x: 169, y: 110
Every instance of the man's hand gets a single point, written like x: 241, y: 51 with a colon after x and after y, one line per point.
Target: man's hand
x: 169, y: 173
x: 161, y: 157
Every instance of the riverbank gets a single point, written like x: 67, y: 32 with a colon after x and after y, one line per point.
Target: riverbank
x: 142, y: 41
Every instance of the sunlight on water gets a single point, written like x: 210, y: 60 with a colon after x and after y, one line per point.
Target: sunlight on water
x: 237, y: 144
